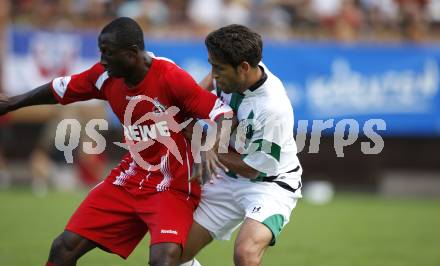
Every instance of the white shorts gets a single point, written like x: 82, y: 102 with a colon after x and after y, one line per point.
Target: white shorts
x: 228, y: 201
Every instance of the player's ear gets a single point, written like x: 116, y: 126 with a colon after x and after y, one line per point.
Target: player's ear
x: 244, y: 67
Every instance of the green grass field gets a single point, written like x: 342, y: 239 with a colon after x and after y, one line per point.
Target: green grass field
x: 352, y: 230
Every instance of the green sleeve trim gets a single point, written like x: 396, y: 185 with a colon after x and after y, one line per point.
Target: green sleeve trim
x: 275, y: 224
x: 263, y: 145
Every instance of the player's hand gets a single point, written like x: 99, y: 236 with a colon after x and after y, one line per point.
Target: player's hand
x: 200, y: 173
x: 4, y: 104
x: 207, y: 170
x: 211, y: 165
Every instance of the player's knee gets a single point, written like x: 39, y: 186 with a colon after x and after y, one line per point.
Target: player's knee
x: 63, y: 248
x: 58, y: 250
x: 165, y: 256
x: 246, y: 255
x: 188, y: 254
x: 57, y: 246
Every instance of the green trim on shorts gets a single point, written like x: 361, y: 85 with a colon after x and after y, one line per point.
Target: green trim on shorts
x: 275, y: 224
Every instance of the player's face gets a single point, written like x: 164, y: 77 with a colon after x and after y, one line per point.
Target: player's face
x: 114, y: 59
x: 228, y: 78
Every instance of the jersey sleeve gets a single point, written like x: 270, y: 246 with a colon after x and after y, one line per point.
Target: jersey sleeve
x: 80, y: 87
x: 191, y: 98
x: 264, y: 135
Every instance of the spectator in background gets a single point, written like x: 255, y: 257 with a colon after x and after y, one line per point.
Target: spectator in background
x: 236, y: 11
x: 300, y: 17
x: 326, y: 13
x: 273, y: 19
x: 152, y: 13
x: 433, y: 10
x: 96, y: 13
x: 205, y: 14
x: 412, y: 19
x: 349, y: 21
x: 380, y: 17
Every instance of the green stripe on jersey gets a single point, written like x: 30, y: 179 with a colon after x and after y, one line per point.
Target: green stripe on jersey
x: 249, y: 128
x: 236, y: 100
x: 275, y: 149
x: 259, y: 178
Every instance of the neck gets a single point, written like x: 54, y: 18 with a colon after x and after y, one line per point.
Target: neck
x: 139, y: 72
x: 253, y: 77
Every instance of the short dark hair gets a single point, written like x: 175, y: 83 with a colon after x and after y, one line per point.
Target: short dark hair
x: 235, y: 44
x: 127, y: 32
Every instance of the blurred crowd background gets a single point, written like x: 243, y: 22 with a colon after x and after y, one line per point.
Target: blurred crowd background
x: 344, y: 20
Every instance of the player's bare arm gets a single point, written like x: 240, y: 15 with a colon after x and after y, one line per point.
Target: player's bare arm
x: 38, y: 96
x: 210, y: 161
x: 232, y: 160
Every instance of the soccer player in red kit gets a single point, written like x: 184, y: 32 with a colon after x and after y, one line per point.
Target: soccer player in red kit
x: 150, y: 189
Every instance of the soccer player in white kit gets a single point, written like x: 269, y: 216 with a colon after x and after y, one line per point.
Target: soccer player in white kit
x: 262, y: 183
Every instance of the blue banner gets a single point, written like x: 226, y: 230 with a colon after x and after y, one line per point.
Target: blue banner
x: 398, y: 83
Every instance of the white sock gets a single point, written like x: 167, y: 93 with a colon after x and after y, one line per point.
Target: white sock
x: 192, y: 262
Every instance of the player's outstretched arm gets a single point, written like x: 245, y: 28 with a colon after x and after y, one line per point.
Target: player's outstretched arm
x: 38, y: 96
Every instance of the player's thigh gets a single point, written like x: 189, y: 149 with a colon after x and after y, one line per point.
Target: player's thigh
x: 270, y: 205
x: 107, y: 217
x: 253, y: 236
x: 218, y: 211
x: 198, y: 238
x: 165, y: 254
x: 168, y: 215
x: 71, y: 244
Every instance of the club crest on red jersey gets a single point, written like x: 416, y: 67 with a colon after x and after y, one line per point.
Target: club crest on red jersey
x: 159, y: 108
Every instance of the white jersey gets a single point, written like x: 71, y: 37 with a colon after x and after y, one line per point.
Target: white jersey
x: 265, y: 134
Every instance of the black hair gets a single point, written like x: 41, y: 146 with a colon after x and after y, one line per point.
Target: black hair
x: 127, y: 32
x: 235, y: 44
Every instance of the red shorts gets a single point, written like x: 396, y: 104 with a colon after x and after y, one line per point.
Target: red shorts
x: 117, y: 220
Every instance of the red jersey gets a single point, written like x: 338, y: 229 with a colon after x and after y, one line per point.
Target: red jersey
x: 141, y: 111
